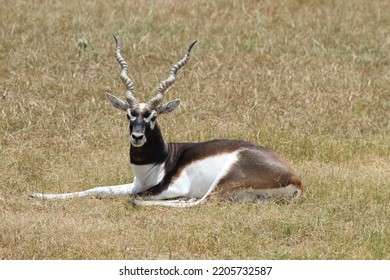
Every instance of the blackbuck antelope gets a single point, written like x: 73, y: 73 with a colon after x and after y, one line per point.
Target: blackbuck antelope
x: 185, y: 174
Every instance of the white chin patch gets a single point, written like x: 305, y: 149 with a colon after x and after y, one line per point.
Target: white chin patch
x: 137, y: 144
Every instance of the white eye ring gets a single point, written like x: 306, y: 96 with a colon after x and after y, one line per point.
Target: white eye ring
x: 150, y: 117
x: 152, y: 123
x: 132, y: 118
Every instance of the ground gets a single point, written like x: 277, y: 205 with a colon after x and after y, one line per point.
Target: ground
x: 309, y: 79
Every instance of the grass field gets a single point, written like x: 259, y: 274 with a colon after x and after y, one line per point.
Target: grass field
x: 309, y: 78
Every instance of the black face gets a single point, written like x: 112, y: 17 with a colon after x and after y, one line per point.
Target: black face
x: 141, y: 122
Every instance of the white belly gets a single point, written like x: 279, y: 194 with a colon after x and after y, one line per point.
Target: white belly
x: 201, y: 175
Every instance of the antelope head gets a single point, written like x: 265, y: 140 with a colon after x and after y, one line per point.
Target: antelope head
x: 142, y: 116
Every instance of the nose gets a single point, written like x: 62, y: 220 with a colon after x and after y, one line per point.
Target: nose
x: 137, y: 136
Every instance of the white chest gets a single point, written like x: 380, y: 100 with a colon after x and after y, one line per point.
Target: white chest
x: 147, y: 175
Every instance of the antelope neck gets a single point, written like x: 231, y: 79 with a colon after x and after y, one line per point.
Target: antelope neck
x: 154, y: 151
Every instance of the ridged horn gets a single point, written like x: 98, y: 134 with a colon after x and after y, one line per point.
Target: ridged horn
x: 125, y: 76
x: 153, y: 103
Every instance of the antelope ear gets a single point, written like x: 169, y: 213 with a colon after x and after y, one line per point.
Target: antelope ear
x: 117, y: 103
x: 168, y: 107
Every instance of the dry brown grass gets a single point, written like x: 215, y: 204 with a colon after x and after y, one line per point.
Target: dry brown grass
x: 308, y: 78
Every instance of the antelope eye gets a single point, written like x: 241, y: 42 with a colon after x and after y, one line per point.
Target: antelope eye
x: 132, y: 115
x: 153, y: 119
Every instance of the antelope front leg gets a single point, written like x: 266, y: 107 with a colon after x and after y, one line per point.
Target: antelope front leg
x: 100, y: 192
